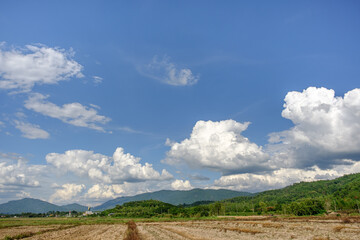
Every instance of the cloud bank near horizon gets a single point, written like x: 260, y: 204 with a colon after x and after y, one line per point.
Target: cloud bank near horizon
x: 322, y: 144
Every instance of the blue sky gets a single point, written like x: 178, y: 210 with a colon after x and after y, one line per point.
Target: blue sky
x: 243, y: 95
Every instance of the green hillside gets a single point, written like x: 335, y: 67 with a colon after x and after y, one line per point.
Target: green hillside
x: 155, y: 208
x: 176, y: 197
x: 339, y: 194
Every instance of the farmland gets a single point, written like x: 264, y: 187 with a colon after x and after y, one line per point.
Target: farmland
x: 253, y: 227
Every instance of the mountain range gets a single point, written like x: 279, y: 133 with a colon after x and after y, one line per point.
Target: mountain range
x: 176, y: 197
x: 168, y: 196
x: 343, y: 191
x: 37, y: 206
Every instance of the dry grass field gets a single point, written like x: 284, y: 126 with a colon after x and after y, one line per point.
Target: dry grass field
x: 313, y: 228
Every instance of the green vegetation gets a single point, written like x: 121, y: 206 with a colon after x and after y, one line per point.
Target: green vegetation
x: 300, y: 199
x: 158, y: 209
x: 305, y: 198
x: 175, y: 197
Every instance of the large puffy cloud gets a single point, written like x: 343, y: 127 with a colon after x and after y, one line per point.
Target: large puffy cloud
x: 218, y: 146
x: 21, y: 69
x: 326, y: 130
x: 73, y: 113
x: 67, y: 192
x: 323, y: 144
x: 165, y: 71
x: 16, y: 173
x: 122, y: 167
x: 31, y: 131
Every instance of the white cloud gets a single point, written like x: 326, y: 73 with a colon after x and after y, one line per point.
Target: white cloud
x: 97, y: 79
x: 72, y: 113
x: 100, y: 168
x: 102, y: 191
x: 181, y: 185
x: 31, y: 131
x: 21, y: 69
x: 23, y: 194
x: 99, y: 193
x: 16, y: 173
x: 218, y: 146
x: 165, y: 71
x: 67, y: 192
x: 282, y: 177
x: 1, y: 125
x: 326, y: 131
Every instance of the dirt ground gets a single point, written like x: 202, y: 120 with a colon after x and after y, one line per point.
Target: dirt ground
x: 251, y: 229
x: 240, y: 228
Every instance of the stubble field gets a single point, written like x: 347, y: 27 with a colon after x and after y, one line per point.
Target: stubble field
x: 234, y: 228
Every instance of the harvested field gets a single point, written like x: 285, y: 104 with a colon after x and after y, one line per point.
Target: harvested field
x: 14, y: 231
x: 236, y: 228
x: 250, y: 229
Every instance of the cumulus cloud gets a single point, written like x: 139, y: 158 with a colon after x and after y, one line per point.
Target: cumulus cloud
x: 181, y: 185
x: 103, y: 191
x: 323, y: 144
x: 326, y: 130
x: 31, y: 131
x: 21, y: 69
x: 218, y: 146
x: 72, y: 113
x: 16, y: 173
x: 67, y: 192
x: 166, y: 72
x: 121, y: 167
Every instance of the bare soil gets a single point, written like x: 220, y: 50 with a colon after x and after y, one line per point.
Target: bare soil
x: 239, y: 228
x: 252, y: 228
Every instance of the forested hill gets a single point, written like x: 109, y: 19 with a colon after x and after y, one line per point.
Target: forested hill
x: 176, y: 197
x: 344, y: 190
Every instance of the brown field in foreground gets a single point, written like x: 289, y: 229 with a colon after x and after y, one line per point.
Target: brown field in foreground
x: 234, y: 228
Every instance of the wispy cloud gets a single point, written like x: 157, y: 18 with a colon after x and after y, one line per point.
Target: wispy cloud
x: 72, y: 113
x: 97, y: 80
x: 163, y: 70
x: 31, y: 131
